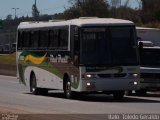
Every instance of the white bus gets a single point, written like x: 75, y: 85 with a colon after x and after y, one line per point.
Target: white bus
x: 84, y: 55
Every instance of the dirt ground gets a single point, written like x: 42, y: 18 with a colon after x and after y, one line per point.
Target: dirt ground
x: 6, y: 69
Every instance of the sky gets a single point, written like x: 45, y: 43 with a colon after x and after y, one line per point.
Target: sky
x: 44, y: 6
x: 25, y: 7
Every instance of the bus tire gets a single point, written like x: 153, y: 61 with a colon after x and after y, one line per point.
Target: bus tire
x: 118, y: 95
x: 33, y: 85
x: 67, y: 90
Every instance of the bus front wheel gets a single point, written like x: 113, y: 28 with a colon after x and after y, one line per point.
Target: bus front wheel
x: 33, y: 85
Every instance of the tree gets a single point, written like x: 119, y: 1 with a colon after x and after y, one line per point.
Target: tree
x: 1, y: 24
x: 82, y: 8
x: 117, y: 8
x: 97, y: 8
x: 139, y: 3
x: 9, y: 17
x: 115, y: 3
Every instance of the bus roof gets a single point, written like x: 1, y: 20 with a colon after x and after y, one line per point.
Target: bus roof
x: 78, y: 22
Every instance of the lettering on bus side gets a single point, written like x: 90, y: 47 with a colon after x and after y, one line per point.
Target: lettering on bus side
x: 59, y: 59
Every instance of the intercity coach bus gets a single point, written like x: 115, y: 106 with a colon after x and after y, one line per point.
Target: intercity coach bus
x: 84, y: 55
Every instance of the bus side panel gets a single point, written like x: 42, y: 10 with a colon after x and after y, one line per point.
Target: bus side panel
x: 44, y: 78
x: 49, y: 69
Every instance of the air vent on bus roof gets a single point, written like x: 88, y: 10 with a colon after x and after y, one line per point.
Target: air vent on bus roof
x: 58, y: 20
x: 30, y: 22
x: 87, y: 17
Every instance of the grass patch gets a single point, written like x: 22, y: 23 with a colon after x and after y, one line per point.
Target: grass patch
x: 8, y: 59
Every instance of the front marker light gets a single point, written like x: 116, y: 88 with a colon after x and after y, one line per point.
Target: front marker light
x: 135, y: 83
x: 88, y: 84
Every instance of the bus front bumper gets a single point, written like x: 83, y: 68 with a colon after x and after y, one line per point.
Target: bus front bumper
x: 95, y: 85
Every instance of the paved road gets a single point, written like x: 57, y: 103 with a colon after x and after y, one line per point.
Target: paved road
x: 15, y: 98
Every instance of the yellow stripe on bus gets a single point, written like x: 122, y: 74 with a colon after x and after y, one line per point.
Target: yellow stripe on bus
x: 35, y: 60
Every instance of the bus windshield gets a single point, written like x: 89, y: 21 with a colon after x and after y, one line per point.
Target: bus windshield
x: 108, y: 46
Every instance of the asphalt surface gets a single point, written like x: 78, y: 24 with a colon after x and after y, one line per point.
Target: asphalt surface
x: 15, y: 98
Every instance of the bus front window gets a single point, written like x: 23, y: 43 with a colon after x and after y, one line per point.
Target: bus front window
x: 109, y: 46
x: 123, y: 46
x: 94, y: 48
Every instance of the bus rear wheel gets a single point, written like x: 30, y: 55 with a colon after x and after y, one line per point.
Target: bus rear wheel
x: 67, y: 90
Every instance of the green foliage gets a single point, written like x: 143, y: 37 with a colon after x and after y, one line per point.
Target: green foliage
x: 8, y: 59
x: 96, y: 8
x: 87, y: 8
x: 71, y: 13
x: 1, y: 24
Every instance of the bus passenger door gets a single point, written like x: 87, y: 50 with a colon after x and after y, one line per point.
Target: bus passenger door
x: 75, y: 45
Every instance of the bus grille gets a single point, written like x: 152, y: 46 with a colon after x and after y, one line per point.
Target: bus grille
x: 151, y: 77
x: 112, y: 75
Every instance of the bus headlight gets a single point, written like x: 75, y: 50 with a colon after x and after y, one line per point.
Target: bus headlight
x: 88, y: 76
x: 135, y: 75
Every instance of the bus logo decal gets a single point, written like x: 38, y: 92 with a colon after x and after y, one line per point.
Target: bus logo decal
x: 35, y: 60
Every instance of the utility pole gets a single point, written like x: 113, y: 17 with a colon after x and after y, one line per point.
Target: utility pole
x: 15, y: 9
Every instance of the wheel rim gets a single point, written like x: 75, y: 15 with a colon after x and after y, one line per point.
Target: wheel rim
x: 33, y: 89
x: 68, y: 89
x: 33, y: 85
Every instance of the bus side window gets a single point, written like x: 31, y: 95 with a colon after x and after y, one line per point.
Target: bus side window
x: 26, y: 40
x: 53, y: 39
x: 63, y: 39
x: 20, y: 40
x: 44, y: 37
x: 34, y: 39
